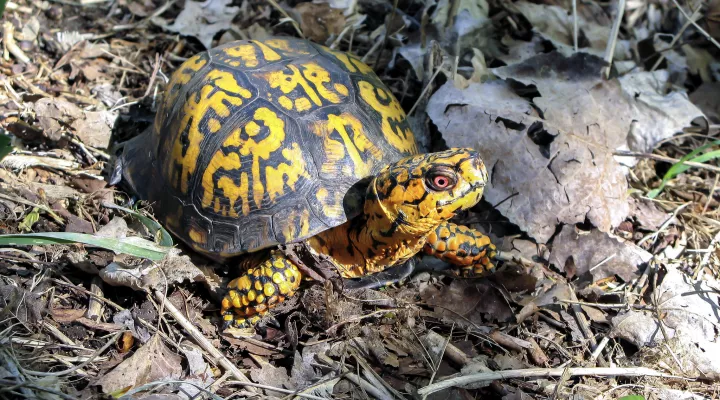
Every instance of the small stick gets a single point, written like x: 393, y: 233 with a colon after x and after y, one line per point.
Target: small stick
x: 286, y: 15
x: 10, y: 46
x: 706, y: 256
x: 95, y: 307
x: 695, y: 16
x: 575, y: 25
x: 610, y: 49
x: 202, y: 340
x: 707, y: 35
x: 542, y: 373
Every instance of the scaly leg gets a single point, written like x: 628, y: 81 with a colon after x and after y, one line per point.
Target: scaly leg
x: 260, y: 289
x: 462, y: 246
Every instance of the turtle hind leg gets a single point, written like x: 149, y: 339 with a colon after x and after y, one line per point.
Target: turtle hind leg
x: 465, y: 247
x: 259, y: 289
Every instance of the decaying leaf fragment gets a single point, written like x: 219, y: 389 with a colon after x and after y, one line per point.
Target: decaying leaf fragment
x: 689, y: 312
x: 319, y: 21
x: 152, y: 362
x: 202, y: 19
x: 94, y: 128
x: 597, y: 254
x: 551, y: 160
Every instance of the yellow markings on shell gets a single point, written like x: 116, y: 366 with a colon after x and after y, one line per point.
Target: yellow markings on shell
x: 284, y: 45
x: 245, y: 52
x: 319, y: 76
x: 332, y: 207
x: 392, y: 115
x: 197, y: 236
x: 311, y: 83
x: 288, y: 173
x: 284, y: 288
x: 276, y: 178
x: 302, y: 104
x: 342, y: 89
x: 297, y: 224
x: 351, y: 63
x: 354, y: 143
x: 268, y: 53
x: 194, y: 110
x: 214, y: 125
x: 286, y: 102
x: 251, y: 295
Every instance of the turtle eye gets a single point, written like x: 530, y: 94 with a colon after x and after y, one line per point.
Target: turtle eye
x: 441, y: 179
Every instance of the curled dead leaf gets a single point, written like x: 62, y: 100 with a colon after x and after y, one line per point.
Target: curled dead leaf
x: 318, y: 21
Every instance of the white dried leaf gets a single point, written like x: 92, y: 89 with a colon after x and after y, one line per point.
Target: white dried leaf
x: 202, y: 20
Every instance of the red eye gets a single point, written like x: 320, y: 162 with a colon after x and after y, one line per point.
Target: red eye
x: 441, y: 179
x: 441, y: 182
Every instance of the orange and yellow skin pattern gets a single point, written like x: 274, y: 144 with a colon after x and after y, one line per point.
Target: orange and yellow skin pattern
x: 462, y: 246
x: 259, y: 289
x: 406, y: 211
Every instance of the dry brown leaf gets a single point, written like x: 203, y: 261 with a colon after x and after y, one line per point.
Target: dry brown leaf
x: 152, y: 362
x: 706, y: 97
x: 269, y: 375
x: 67, y: 315
x: 466, y: 301
x: 318, y: 21
x: 174, y: 268
x: 588, y: 250
x: 203, y: 20
x: 94, y: 128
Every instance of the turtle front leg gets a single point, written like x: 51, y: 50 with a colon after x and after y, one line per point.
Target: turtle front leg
x: 462, y: 246
x: 260, y: 289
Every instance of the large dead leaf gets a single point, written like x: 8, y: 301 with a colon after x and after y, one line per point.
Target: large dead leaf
x: 94, y: 128
x: 555, y: 24
x: 551, y: 159
x: 202, y: 20
x: 466, y: 301
x: 152, y: 362
x: 595, y: 255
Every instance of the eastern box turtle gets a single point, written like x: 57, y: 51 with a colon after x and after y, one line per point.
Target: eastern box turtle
x: 261, y: 143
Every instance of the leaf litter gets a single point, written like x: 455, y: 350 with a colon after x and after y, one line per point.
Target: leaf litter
x: 594, y: 272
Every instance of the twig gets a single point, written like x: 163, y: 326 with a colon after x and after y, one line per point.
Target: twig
x: 695, y: 15
x: 612, y: 41
x: 359, y: 318
x: 201, y: 340
x: 666, y: 159
x: 10, y: 45
x: 424, y: 91
x: 387, y: 33
x: 664, y: 225
x: 97, y: 352
x: 286, y: 15
x: 542, y: 373
x: 575, y: 25
x: 707, y: 35
x: 17, y: 199
x: 706, y: 256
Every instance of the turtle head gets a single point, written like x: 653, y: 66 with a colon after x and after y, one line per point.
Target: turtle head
x: 424, y: 190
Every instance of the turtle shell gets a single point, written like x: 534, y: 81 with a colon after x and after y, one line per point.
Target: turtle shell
x: 260, y: 143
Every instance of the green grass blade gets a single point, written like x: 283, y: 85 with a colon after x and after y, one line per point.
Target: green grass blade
x: 162, y: 237
x: 5, y: 143
x: 681, y: 166
x: 133, y: 246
